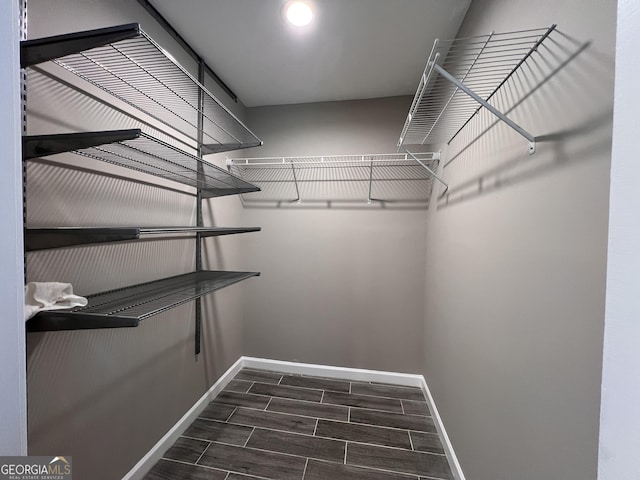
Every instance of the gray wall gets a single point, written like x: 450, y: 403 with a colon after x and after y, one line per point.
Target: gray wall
x: 516, y: 259
x: 106, y: 396
x: 620, y: 382
x: 339, y: 286
x: 13, y: 395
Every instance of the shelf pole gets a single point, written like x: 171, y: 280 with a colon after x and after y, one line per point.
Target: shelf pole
x: 486, y: 105
x: 433, y: 174
x: 199, y: 222
x: 370, y: 181
x: 295, y: 179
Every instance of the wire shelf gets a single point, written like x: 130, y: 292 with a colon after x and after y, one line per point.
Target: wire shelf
x: 339, y: 178
x: 138, y: 151
x: 126, y: 307
x: 46, y: 238
x: 482, y: 64
x: 125, y: 62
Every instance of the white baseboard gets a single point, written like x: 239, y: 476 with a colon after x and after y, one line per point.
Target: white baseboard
x: 402, y: 379
x: 159, y: 449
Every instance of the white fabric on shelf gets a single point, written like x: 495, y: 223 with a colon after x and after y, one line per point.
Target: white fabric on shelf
x: 40, y: 296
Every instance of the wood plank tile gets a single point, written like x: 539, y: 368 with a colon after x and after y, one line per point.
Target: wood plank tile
x: 314, y: 382
x: 274, y: 421
x: 427, y: 442
x: 393, y: 420
x: 391, y: 391
x: 237, y: 476
x: 416, y: 408
x: 286, y: 392
x: 242, y: 399
x: 261, y: 376
x: 217, y: 411
x: 295, y: 444
x: 309, y: 409
x: 186, y: 450
x: 397, y: 460
x: 213, y: 430
x: 363, y: 433
x: 317, y: 470
x: 168, y: 470
x: 254, y: 462
x: 363, y: 401
x: 238, y: 386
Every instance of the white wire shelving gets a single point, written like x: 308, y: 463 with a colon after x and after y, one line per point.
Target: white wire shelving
x: 460, y: 78
x: 387, y: 179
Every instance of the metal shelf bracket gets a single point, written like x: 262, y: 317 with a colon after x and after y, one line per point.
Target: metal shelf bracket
x: 447, y: 76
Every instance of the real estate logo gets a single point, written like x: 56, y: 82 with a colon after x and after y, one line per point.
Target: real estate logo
x: 36, y: 468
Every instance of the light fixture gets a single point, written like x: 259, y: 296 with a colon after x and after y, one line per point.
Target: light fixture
x: 299, y: 13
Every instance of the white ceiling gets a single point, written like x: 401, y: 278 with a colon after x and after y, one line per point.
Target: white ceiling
x: 354, y: 49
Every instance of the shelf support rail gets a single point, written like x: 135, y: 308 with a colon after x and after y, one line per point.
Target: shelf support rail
x: 447, y: 76
x: 436, y: 156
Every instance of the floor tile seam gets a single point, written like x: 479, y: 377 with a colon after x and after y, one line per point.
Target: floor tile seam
x: 363, y: 408
x: 304, y: 472
x: 215, y: 442
x: 266, y: 408
x: 411, y: 440
x: 313, y: 435
x: 181, y: 462
x: 250, y: 386
x: 215, y: 400
x: 289, y: 386
x: 348, y: 421
x: 249, y: 437
x: 376, y: 470
x: 397, y: 472
x: 392, y: 447
x: 275, y: 411
x: 226, y: 477
x: 394, y: 428
x: 203, y: 452
x: 387, y: 397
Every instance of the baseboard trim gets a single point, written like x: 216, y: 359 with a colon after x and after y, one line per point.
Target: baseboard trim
x: 402, y: 379
x: 147, y: 462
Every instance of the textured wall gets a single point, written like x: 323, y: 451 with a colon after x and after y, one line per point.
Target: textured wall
x: 516, y: 256
x: 339, y: 286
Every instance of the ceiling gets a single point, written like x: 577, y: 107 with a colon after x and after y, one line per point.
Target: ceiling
x: 354, y: 49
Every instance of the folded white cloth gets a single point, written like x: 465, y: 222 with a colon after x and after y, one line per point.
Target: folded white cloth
x: 40, y: 296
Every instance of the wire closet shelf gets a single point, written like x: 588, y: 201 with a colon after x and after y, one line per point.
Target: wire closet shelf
x: 460, y: 78
x: 128, y: 64
x: 401, y: 178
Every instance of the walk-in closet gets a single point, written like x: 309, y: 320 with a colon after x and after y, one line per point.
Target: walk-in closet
x: 319, y: 239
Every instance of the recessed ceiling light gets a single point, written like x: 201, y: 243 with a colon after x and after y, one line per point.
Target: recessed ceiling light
x: 299, y: 13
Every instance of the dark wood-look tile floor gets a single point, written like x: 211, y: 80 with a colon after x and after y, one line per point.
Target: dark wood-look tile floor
x: 277, y: 426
